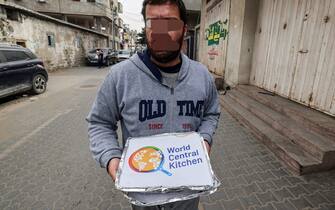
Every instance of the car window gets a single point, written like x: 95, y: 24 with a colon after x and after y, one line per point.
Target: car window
x: 2, y: 58
x: 124, y: 52
x: 93, y: 51
x: 30, y: 54
x: 15, y: 55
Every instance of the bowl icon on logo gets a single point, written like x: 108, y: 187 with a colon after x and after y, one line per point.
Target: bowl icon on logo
x: 147, y: 159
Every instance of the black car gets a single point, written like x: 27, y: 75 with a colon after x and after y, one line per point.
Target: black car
x: 20, y: 71
x: 109, y: 56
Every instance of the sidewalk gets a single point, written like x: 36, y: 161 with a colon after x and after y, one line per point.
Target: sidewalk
x: 253, y: 178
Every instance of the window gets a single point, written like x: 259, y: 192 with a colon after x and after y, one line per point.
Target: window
x: 51, y: 40
x: 93, y: 51
x: 15, y: 55
x: 13, y: 15
x: 91, y: 1
x: 22, y: 43
x: 124, y: 52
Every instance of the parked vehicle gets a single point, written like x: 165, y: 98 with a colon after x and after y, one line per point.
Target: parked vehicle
x: 21, y: 71
x: 109, y: 56
x: 123, y: 55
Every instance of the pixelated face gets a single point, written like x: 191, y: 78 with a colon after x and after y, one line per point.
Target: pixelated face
x: 164, y: 31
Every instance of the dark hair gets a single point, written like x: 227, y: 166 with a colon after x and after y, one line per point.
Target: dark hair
x: 179, y: 3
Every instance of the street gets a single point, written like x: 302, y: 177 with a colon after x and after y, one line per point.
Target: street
x: 45, y: 162
x: 44, y: 153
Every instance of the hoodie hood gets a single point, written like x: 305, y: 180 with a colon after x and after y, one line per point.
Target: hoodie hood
x: 144, y: 63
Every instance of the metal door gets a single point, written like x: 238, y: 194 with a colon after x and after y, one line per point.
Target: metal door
x: 294, y: 51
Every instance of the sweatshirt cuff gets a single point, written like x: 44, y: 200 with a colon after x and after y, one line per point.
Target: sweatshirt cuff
x: 207, y: 138
x: 107, y: 156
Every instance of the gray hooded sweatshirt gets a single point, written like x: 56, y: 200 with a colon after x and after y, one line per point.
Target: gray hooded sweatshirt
x: 145, y: 106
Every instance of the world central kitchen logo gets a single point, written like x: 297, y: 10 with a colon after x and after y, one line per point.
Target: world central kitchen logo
x: 151, y: 159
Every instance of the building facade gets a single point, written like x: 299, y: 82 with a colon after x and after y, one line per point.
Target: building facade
x: 286, y: 47
x: 98, y: 15
x: 58, y: 43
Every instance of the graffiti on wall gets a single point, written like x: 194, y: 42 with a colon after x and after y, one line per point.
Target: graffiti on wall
x: 216, y: 31
x: 213, y: 53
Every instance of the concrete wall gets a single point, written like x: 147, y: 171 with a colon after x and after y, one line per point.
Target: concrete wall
x: 68, y: 7
x: 231, y: 57
x: 242, y: 28
x: 86, y: 8
x: 213, y: 35
x: 48, y: 6
x: 71, y: 44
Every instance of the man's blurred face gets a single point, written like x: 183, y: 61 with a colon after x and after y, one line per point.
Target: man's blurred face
x: 164, y: 31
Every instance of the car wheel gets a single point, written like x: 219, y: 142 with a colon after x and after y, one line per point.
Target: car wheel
x: 39, y: 84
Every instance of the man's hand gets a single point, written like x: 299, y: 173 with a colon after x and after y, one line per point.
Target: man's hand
x: 112, y: 167
x: 208, y: 147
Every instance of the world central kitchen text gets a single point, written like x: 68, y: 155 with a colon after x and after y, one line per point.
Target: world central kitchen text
x: 183, y: 156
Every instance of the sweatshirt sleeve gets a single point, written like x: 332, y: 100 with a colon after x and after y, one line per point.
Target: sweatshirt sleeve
x: 102, y: 124
x: 211, y: 114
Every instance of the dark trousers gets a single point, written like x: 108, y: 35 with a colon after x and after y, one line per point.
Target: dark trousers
x: 100, y: 61
x: 180, y: 205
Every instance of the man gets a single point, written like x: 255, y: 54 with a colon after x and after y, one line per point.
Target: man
x: 100, y: 54
x: 158, y: 91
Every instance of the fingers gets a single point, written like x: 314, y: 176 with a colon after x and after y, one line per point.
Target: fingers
x: 208, y: 147
x: 113, y: 167
x: 113, y: 175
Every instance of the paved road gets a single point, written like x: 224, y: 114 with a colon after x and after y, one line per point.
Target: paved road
x: 45, y: 162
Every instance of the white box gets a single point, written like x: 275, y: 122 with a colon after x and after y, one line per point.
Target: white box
x: 165, y: 162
